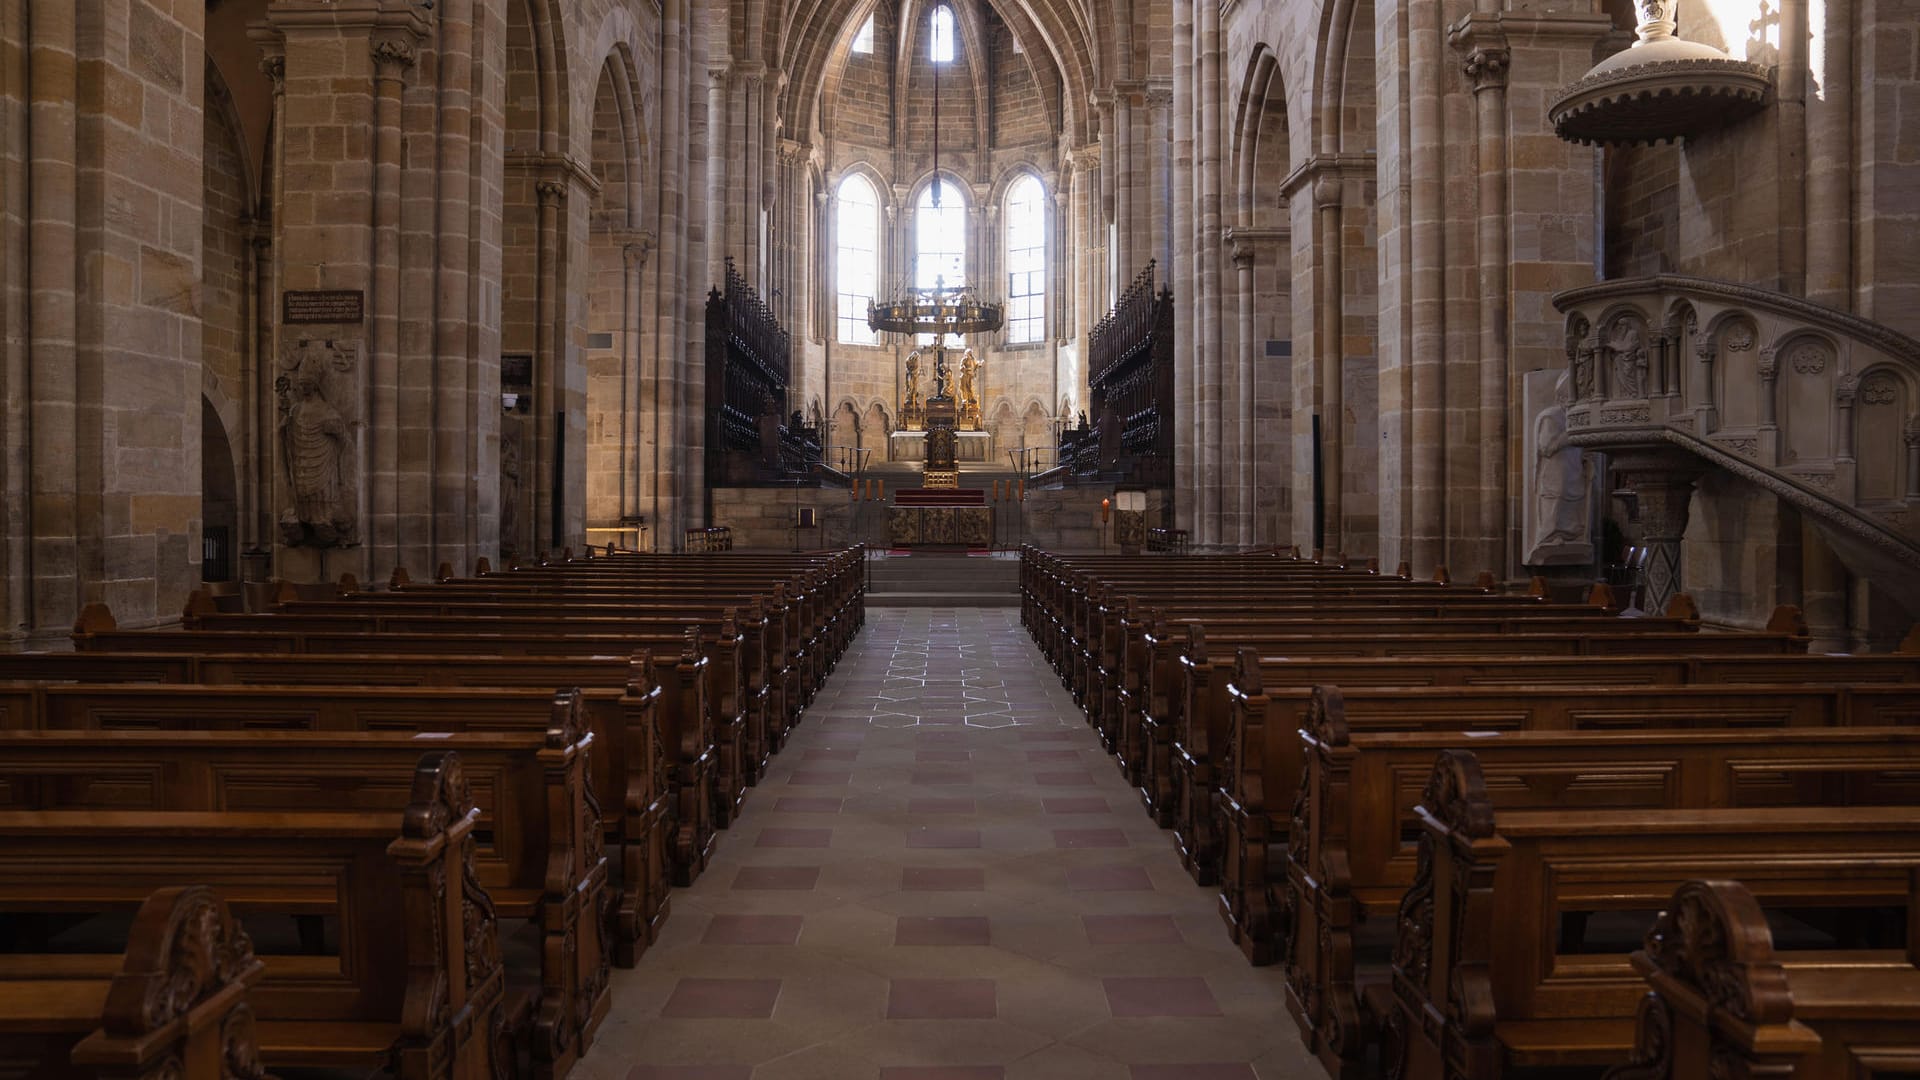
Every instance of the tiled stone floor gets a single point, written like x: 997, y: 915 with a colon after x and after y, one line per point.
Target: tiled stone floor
x: 945, y: 878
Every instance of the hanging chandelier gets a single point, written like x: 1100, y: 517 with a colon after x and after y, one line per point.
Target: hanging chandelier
x: 942, y: 309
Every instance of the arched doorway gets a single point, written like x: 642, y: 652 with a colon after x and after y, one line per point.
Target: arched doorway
x: 219, y: 498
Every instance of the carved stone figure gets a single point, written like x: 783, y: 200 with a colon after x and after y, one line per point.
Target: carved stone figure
x: 317, y: 444
x: 1560, y: 528
x: 1628, y: 344
x: 511, y: 539
x: 1582, y: 372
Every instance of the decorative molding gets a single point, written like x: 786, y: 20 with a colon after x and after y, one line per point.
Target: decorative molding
x: 1879, y: 388
x: 1884, y: 338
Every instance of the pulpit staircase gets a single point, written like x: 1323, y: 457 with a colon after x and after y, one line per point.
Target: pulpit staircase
x: 1673, y: 375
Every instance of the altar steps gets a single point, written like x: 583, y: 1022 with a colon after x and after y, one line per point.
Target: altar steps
x: 924, y: 579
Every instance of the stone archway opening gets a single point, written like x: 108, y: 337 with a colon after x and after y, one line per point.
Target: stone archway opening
x: 219, y: 499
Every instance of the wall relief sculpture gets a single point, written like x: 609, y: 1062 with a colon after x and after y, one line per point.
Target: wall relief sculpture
x: 319, y: 443
x: 1559, y: 505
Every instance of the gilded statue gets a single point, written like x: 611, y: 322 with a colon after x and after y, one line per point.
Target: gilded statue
x: 969, y: 392
x: 317, y: 444
x: 940, y: 372
x: 912, y: 412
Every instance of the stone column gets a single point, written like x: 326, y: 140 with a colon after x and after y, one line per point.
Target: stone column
x: 1181, y: 277
x: 393, y: 56
x: 1662, y: 483
x: 1426, y: 526
x: 454, y: 374
x: 548, y: 381
x: 1243, y: 430
x: 1221, y: 506
x: 1328, y: 196
x: 1486, y: 67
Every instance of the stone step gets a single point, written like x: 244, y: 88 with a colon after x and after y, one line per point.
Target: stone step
x: 942, y: 599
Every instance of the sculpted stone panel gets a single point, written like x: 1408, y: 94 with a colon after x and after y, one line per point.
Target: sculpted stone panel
x: 318, y: 442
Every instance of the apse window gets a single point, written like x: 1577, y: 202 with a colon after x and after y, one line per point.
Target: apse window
x: 1026, y: 261
x: 942, y: 40
x: 940, y: 237
x: 856, y: 259
x: 863, y: 41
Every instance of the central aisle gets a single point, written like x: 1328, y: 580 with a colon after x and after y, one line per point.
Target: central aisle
x: 945, y: 878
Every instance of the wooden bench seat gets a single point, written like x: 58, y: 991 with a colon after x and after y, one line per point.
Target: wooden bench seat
x: 621, y: 722
x: 1723, y: 1001
x: 541, y: 856
x: 1265, y: 757
x: 1487, y: 935
x: 109, y: 1024
x: 403, y: 885
x: 1346, y: 857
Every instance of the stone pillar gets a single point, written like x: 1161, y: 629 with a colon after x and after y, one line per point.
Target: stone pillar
x: 393, y: 56
x: 454, y: 374
x: 1662, y: 483
x: 1180, y: 276
x: 548, y: 381
x: 1219, y: 459
x: 1486, y: 67
x: 1245, y: 390
x: 1328, y: 199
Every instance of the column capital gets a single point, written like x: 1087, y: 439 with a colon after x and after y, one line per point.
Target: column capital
x: 274, y: 67
x: 1486, y: 67
x: 551, y: 192
x: 393, y: 55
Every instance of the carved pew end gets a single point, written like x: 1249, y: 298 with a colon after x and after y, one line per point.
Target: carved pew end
x: 1485, y: 581
x: 1910, y: 645
x: 1603, y: 597
x: 1441, y: 577
x: 443, y: 573
x: 95, y: 618
x: 399, y: 579
x: 182, y: 983
x: 1787, y: 619
x: 1683, y: 607
x: 1404, y: 571
x: 482, y: 567
x: 347, y: 585
x: 1537, y: 589
x: 1717, y: 996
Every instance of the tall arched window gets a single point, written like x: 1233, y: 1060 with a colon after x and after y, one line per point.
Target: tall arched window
x: 1026, y: 261
x: 856, y: 258
x: 940, y: 41
x: 940, y: 236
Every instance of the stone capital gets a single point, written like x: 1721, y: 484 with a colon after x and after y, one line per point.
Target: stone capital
x: 392, y: 56
x: 1486, y: 67
x: 1846, y: 388
x: 274, y: 67
x: 1911, y: 432
x: 551, y: 192
x: 1328, y: 192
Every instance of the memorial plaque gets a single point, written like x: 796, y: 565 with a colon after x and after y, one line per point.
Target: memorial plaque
x: 322, y: 306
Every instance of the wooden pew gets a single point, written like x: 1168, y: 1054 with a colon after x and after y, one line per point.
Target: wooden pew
x: 616, y: 719
x: 677, y: 690
x: 1198, y: 710
x: 183, y: 941
x: 1490, y: 976
x: 723, y: 644
x: 1722, y: 1002
x: 418, y: 986
x: 1265, y: 763
x: 633, y: 778
x: 542, y: 856
x: 1346, y: 861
